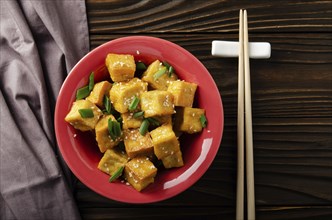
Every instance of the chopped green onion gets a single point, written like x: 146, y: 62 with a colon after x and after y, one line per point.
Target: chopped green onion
x: 138, y: 114
x: 166, y: 64
x: 117, y: 174
x: 140, y: 66
x: 153, y: 121
x: 110, y: 129
x: 114, y: 129
x: 82, y: 93
x: 203, y: 121
x: 159, y: 73
x: 117, y: 128
x: 91, y: 81
x: 134, y: 103
x: 144, y: 127
x: 86, y: 113
x: 107, y: 104
x: 170, y: 71
x: 120, y: 122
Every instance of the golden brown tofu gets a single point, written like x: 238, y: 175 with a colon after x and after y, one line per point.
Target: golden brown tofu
x: 187, y: 119
x: 157, y: 103
x: 140, y: 172
x: 123, y: 93
x: 139, y: 185
x: 160, y: 83
x: 120, y: 66
x: 76, y: 120
x: 136, y: 144
x: 103, y: 137
x: 183, y: 92
x: 112, y: 161
x: 173, y: 160
x: 164, y: 141
x: 129, y: 121
x: 99, y: 91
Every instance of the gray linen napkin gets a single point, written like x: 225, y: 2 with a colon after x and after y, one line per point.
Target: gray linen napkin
x: 40, y: 42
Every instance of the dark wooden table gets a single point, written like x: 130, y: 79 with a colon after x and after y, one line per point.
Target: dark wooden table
x: 291, y: 95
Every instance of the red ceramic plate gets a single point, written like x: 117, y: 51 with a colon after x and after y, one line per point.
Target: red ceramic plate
x: 80, y: 150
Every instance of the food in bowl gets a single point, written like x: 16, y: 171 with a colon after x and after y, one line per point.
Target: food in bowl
x: 137, y: 117
x: 199, y: 150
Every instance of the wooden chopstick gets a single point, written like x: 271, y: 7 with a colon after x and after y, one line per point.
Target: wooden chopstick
x: 240, y: 127
x: 248, y: 124
x: 244, y: 116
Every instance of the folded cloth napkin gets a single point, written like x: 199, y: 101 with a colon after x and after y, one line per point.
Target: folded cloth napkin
x: 40, y: 42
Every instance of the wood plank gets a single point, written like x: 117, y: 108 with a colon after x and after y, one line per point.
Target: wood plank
x: 151, y: 212
x: 157, y: 16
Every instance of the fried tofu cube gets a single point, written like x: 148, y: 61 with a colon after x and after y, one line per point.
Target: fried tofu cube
x: 140, y: 172
x: 129, y: 121
x: 187, y: 119
x: 76, y: 120
x: 139, y: 185
x: 157, y: 103
x: 160, y: 83
x: 103, y: 137
x: 183, y: 92
x: 174, y: 160
x: 112, y: 161
x: 99, y: 91
x: 120, y: 66
x: 123, y: 93
x: 137, y: 144
x: 164, y: 141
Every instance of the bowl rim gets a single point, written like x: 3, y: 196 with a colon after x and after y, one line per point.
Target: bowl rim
x: 95, y: 51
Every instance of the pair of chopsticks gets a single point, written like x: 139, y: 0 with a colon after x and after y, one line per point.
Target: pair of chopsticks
x: 244, y: 125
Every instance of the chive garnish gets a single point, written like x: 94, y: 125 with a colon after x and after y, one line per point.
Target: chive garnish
x: 110, y: 129
x: 91, y: 81
x: 107, y: 104
x: 153, y: 121
x: 144, y: 127
x: 170, y: 71
x: 159, y: 73
x: 140, y: 66
x: 166, y: 64
x: 114, y: 129
x: 86, y: 113
x: 203, y: 121
x: 138, y: 114
x: 117, y: 174
x: 134, y: 103
x: 117, y: 128
x: 82, y: 93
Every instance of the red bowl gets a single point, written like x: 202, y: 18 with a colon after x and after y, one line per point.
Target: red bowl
x: 80, y: 150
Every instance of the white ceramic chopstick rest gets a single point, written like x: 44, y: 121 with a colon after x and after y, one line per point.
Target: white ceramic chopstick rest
x: 257, y: 50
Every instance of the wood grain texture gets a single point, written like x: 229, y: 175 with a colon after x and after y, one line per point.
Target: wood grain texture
x: 291, y: 94
x: 150, y: 16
